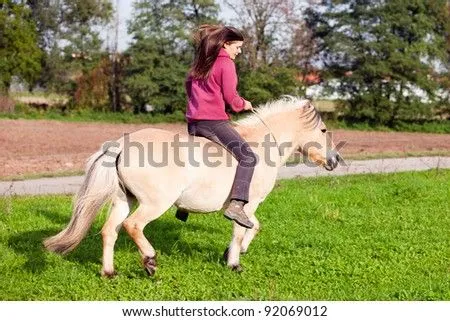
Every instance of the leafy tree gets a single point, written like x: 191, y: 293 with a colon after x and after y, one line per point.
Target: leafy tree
x: 443, y: 105
x: 269, y: 82
x: 68, y: 36
x: 155, y: 78
x: 81, y: 21
x: 161, y: 52
x: 383, y: 53
x: 19, y: 54
x: 46, y: 15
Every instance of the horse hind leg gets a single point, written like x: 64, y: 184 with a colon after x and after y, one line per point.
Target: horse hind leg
x: 182, y: 215
x: 135, y: 224
x: 120, y: 209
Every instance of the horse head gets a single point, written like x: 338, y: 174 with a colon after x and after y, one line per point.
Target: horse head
x: 316, y: 141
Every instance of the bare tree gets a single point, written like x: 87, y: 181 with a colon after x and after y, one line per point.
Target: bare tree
x: 267, y: 25
x: 303, y: 47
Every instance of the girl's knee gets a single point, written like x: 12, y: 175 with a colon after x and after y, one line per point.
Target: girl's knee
x: 250, y: 159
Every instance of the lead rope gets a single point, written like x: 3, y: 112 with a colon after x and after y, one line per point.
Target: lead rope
x: 268, y: 128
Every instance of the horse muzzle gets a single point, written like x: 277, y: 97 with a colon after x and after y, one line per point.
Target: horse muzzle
x: 332, y: 161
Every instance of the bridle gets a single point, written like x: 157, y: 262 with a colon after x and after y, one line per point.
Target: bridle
x: 270, y: 131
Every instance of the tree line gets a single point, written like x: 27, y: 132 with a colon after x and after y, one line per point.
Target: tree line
x: 384, y: 60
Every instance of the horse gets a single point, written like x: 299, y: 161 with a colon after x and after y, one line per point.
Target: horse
x: 142, y: 167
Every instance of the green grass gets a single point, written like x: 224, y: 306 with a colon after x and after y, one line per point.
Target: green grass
x: 430, y: 126
x: 25, y: 112
x: 23, y: 177
x: 367, y: 237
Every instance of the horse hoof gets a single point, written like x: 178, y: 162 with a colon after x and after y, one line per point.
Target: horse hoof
x: 109, y: 274
x: 150, y: 265
x: 237, y: 268
x: 182, y: 215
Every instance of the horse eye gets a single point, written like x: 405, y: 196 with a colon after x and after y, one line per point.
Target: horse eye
x: 323, y: 130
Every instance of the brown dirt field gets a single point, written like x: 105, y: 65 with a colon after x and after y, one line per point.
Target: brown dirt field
x: 45, y: 146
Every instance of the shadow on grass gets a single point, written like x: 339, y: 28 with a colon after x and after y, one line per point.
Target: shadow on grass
x: 53, y: 216
x: 29, y: 244
x: 163, y: 234
x: 165, y: 237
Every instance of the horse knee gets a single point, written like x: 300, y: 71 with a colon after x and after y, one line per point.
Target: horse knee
x: 131, y: 227
x: 109, y: 237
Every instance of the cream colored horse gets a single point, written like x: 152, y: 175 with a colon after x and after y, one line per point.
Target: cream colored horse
x: 159, y: 169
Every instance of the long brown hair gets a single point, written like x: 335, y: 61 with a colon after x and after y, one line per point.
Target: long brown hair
x: 208, y: 40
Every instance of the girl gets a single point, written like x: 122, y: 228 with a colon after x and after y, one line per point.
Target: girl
x: 211, y: 83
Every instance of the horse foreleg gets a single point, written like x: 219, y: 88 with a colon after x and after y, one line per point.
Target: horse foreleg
x: 232, y: 253
x: 135, y: 225
x: 241, y: 238
x: 119, y: 211
x: 250, y: 235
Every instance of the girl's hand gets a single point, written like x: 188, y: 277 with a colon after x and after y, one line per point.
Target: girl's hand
x: 248, y: 105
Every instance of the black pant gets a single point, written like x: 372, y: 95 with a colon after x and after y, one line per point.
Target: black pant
x: 221, y: 132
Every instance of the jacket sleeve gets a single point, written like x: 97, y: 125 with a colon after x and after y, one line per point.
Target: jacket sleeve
x: 229, y: 83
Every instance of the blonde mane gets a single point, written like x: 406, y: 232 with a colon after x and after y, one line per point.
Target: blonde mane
x: 286, y: 103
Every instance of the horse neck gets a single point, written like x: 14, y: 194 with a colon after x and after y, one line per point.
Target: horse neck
x: 282, y: 128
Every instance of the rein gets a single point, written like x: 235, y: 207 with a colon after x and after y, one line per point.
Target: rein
x: 270, y: 131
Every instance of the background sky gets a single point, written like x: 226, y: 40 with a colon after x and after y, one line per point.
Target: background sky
x: 125, y: 9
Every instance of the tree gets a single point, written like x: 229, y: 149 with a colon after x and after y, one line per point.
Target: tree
x: 46, y: 15
x: 269, y: 67
x: 68, y: 36
x: 443, y: 106
x: 383, y: 53
x: 162, y: 50
x: 81, y: 21
x: 269, y: 82
x: 19, y: 54
x: 266, y: 24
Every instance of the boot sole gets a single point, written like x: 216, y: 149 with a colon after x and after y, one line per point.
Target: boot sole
x: 231, y: 217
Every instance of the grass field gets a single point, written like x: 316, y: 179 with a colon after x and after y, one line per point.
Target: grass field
x: 24, y: 112
x: 368, y: 237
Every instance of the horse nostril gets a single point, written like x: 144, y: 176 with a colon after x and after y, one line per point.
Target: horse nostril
x: 333, y: 161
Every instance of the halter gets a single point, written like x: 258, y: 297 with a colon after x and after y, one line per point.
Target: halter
x: 270, y: 131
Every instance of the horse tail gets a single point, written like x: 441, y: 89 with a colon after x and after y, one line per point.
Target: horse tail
x: 101, y: 182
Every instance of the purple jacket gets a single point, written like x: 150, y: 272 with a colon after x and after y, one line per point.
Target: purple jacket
x: 207, y: 98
